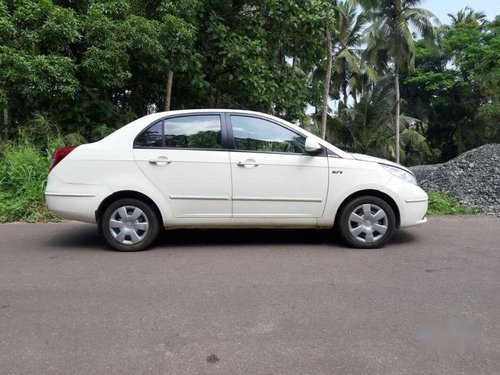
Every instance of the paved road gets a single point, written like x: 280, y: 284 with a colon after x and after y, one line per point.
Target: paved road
x: 251, y: 302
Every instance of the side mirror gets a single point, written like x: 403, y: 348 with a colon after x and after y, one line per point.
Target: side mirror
x: 312, y: 146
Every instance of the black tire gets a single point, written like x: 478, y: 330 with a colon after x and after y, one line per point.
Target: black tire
x: 345, y: 224
x: 150, y: 217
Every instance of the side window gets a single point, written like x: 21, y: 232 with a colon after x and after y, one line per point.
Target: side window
x: 151, y: 137
x: 202, y: 131
x: 255, y: 134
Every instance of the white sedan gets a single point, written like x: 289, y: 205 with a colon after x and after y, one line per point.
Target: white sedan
x: 227, y: 169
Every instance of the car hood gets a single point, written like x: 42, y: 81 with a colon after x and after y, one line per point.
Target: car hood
x: 373, y: 159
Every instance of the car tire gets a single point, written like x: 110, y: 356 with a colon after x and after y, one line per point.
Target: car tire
x: 366, y: 222
x: 129, y: 224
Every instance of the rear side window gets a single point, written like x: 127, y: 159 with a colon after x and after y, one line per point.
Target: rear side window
x: 193, y: 132
x: 196, y: 132
x: 151, y: 137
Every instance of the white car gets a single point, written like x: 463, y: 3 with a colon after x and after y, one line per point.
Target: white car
x: 227, y: 169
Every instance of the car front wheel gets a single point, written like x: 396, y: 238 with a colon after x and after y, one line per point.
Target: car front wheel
x: 129, y: 225
x: 367, y: 222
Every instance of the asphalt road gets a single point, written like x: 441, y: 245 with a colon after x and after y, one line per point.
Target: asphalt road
x: 251, y: 302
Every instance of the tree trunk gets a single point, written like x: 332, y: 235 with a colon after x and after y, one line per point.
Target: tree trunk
x: 346, y: 98
x: 398, y: 109
x: 168, y: 90
x: 326, y: 91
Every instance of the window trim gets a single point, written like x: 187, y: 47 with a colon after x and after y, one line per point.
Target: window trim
x: 227, y: 136
x: 223, y: 125
x: 232, y: 142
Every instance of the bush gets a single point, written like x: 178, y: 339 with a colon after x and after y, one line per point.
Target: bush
x: 443, y: 204
x: 24, y: 169
x: 23, y: 174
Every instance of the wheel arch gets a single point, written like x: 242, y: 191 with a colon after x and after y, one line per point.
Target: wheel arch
x: 376, y: 193
x: 127, y: 194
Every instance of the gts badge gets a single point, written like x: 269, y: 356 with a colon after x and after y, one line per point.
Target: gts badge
x: 337, y: 172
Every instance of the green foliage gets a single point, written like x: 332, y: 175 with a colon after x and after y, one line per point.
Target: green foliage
x: 443, y: 204
x: 390, y: 35
x: 23, y: 175
x: 24, y: 170
x: 368, y: 127
x: 454, y: 89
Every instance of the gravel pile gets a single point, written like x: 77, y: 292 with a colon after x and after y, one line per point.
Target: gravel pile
x: 473, y: 177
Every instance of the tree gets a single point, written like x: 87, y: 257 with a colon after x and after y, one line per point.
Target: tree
x: 328, y: 78
x: 467, y: 16
x: 390, y: 36
x: 368, y: 127
x: 332, y: 15
x: 247, y: 51
x: 370, y: 121
x: 35, y: 62
x: 179, y: 30
x: 348, y: 65
x: 454, y: 88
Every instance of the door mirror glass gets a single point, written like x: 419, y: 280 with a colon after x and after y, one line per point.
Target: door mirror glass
x: 312, y: 146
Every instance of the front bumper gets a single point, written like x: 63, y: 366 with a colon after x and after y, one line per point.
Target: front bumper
x: 413, y: 212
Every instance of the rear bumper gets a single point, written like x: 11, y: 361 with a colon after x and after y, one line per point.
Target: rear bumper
x: 71, y: 207
x: 74, y: 201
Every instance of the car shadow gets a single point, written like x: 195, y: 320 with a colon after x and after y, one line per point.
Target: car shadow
x: 87, y: 237
x: 244, y: 236
x: 209, y: 237
x: 79, y: 236
x: 401, y: 237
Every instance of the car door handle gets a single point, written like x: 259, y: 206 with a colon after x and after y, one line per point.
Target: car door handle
x: 249, y: 163
x: 161, y: 160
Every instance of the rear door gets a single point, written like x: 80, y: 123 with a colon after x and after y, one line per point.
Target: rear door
x: 272, y: 174
x: 185, y: 158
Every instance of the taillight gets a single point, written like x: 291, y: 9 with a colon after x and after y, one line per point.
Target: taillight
x: 60, y: 154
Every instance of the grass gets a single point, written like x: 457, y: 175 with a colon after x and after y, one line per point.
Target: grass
x: 23, y: 175
x: 444, y: 204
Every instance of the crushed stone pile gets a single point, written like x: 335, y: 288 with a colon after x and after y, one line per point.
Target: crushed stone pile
x: 473, y: 177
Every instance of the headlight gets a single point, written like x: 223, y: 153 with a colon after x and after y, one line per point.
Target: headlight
x: 400, y: 173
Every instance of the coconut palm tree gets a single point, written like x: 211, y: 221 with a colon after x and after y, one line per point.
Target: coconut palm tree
x: 390, y: 37
x: 370, y: 123
x: 328, y: 77
x: 467, y: 16
x: 331, y: 13
x: 347, y: 62
x: 368, y: 127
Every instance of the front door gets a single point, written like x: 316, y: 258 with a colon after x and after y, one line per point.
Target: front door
x: 272, y: 175
x: 184, y: 158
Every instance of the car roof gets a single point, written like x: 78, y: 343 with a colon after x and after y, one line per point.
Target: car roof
x: 211, y: 110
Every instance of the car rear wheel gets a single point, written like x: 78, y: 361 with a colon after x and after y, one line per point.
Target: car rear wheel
x: 367, y: 222
x: 129, y: 225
